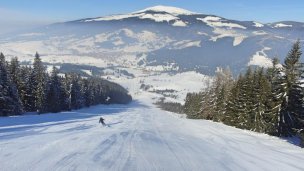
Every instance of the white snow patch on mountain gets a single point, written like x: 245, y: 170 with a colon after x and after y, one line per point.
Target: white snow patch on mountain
x: 211, y: 18
x: 89, y: 72
x: 146, y: 36
x: 167, y: 9
x: 202, y: 33
x: 162, y: 13
x: 257, y: 24
x: 31, y: 34
x: 186, y: 43
x: 217, y: 22
x: 238, y: 40
x: 118, y: 42
x: 259, y: 33
x: 179, y: 23
x: 279, y: 25
x: 111, y: 17
x: 159, y: 17
x: 279, y: 37
x: 221, y: 33
x: 261, y: 59
x: 101, y: 37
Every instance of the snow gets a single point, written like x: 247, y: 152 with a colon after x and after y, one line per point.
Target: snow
x: 89, y: 72
x: 221, y: 33
x: 186, y: 44
x: 259, y: 33
x: 257, y: 24
x: 159, y: 17
x: 139, y: 137
x: 210, y: 18
x: 179, y: 23
x: 261, y: 59
x: 202, y: 33
x: 49, y: 68
x: 167, y: 9
x: 154, y: 17
x: 162, y: 13
x: 216, y: 22
x: 111, y: 17
x: 31, y: 34
x: 238, y: 40
x: 280, y: 25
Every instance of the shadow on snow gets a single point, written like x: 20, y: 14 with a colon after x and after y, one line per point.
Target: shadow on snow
x: 11, y: 126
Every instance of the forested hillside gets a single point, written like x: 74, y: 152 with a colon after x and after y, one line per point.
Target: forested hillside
x: 32, y: 89
x: 262, y: 100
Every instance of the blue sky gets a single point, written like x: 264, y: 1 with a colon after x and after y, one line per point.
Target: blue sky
x: 16, y: 14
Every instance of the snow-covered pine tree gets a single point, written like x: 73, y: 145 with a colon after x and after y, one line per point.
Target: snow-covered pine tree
x: 292, y: 105
x: 40, y: 83
x: 193, y: 104
x: 87, y: 92
x: 232, y: 110
x: 223, y: 83
x: 66, y: 94
x: 244, y: 104
x: 28, y: 99
x: 275, y: 98
x: 54, y: 92
x: 208, y: 103
x: 261, y: 91
x: 76, y: 96
x: 10, y: 103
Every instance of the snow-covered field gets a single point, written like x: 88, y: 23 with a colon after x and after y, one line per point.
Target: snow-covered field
x: 139, y: 137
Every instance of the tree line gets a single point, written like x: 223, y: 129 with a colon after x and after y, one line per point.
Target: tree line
x: 269, y: 100
x: 32, y: 89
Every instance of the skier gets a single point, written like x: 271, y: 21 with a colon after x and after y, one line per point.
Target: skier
x: 101, y: 120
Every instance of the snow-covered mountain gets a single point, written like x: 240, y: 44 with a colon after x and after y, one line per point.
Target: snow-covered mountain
x: 158, y: 38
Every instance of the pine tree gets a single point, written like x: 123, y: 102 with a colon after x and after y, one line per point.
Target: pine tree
x: 292, y: 105
x: 275, y: 98
x: 261, y: 91
x: 10, y: 103
x: 244, y: 104
x: 232, y: 109
x: 223, y: 84
x: 87, y: 93
x: 54, y: 93
x: 39, y: 80
x: 193, y: 104
x: 18, y: 76
x: 29, y: 96
x: 76, y: 96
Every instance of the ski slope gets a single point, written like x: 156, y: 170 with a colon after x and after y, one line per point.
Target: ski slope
x: 139, y: 137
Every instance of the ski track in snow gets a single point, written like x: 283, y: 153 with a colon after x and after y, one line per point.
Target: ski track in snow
x: 139, y: 137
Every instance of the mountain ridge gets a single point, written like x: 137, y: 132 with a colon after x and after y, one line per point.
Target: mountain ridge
x: 156, y: 38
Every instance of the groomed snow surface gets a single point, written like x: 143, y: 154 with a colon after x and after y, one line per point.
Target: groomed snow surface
x: 139, y: 137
